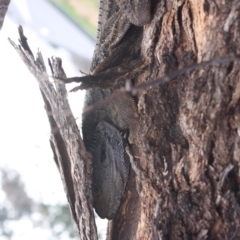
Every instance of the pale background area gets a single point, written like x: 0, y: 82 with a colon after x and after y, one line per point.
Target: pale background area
x: 24, y: 128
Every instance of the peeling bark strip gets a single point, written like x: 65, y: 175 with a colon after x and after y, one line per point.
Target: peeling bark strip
x: 69, y: 152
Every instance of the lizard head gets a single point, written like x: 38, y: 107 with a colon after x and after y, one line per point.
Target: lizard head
x: 110, y: 170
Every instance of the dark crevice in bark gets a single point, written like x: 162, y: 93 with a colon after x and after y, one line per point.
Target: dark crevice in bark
x: 230, y: 68
x: 206, y: 6
x: 186, y: 173
x: 211, y: 155
x: 173, y: 28
x: 231, y: 183
x: 179, y: 15
x: 192, y: 29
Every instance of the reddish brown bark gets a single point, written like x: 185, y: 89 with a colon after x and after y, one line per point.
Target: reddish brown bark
x: 187, y: 150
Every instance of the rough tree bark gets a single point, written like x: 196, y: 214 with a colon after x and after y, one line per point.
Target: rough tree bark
x: 3, y: 10
x: 187, y: 155
x: 184, y: 181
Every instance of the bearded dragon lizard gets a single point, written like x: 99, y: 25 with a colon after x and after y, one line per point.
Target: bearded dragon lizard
x: 116, y: 56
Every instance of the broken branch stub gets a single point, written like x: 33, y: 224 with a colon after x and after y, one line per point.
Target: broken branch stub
x: 70, y: 155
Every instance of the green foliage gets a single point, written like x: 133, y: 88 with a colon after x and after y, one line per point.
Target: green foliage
x: 83, y: 21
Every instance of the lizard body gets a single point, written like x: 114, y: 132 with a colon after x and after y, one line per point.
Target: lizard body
x: 116, y: 54
x: 103, y: 139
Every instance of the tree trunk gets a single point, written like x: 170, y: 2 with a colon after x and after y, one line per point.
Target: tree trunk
x: 184, y: 181
x: 3, y: 10
x: 186, y: 159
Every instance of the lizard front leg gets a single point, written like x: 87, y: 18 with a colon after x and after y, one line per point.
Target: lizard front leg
x: 138, y: 12
x: 111, y: 78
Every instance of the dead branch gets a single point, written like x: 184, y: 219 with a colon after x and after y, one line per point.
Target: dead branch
x: 73, y: 162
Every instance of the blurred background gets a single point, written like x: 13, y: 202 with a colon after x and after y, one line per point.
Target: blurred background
x: 33, y: 204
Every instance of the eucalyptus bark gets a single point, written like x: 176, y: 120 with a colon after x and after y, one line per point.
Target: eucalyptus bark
x: 187, y: 154
x: 184, y: 181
